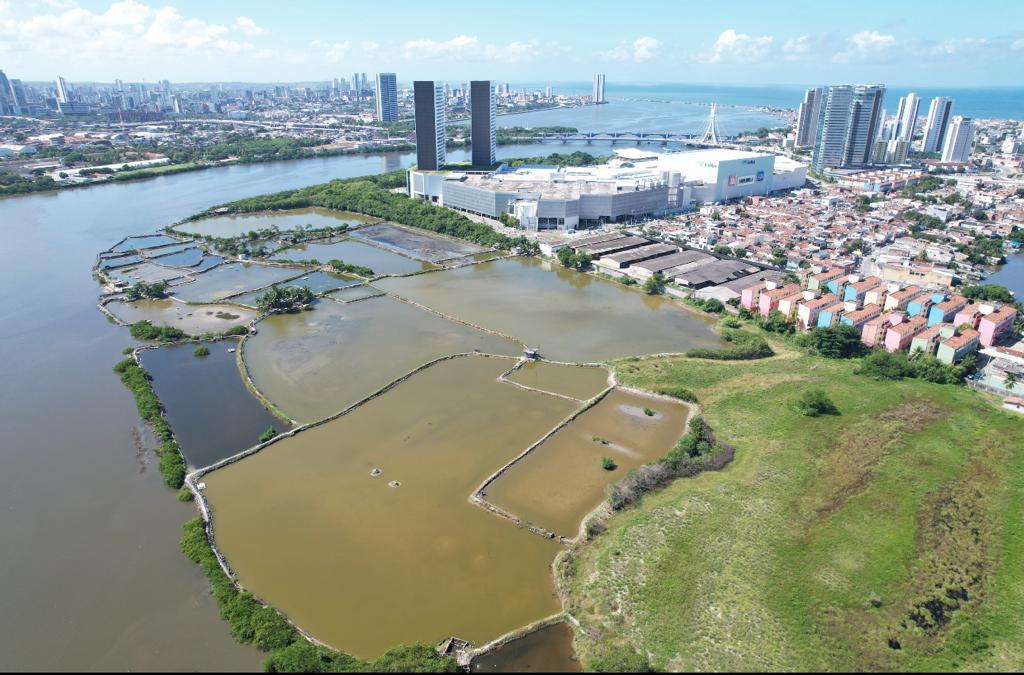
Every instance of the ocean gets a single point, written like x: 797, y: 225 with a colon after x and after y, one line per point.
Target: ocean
x: 986, y: 103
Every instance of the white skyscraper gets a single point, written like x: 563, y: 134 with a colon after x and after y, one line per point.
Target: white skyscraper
x: 598, y: 93
x: 807, y: 118
x: 935, y: 127
x: 959, y: 141
x: 387, y: 97
x: 62, y: 91
x: 906, y: 118
x: 848, y: 126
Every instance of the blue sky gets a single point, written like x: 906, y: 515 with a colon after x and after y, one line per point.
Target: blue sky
x: 937, y: 43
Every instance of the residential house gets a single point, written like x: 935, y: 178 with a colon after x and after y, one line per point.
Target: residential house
x: 994, y: 326
x: 954, y: 349
x: 900, y: 335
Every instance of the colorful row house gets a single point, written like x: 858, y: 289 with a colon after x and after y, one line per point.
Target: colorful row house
x: 955, y: 348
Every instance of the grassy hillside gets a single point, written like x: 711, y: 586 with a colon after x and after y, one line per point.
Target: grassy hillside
x: 886, y: 537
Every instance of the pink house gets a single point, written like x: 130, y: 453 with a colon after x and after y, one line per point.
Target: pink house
x: 995, y: 325
x: 873, y: 331
x: 808, y: 310
x: 749, y: 296
x: 900, y: 336
x: 969, y: 315
x: 788, y: 304
x: 769, y: 300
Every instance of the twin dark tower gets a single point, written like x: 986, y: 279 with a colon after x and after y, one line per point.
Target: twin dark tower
x: 429, y: 102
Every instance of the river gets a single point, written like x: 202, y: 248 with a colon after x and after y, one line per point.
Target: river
x: 93, y: 575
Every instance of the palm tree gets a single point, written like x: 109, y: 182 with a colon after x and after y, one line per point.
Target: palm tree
x: 1009, y: 381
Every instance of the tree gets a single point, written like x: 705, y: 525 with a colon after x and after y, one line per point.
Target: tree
x: 835, y: 342
x: 655, y: 285
x: 1010, y: 381
x: 287, y: 299
x: 814, y: 403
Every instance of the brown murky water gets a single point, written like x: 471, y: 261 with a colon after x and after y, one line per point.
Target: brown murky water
x: 241, y: 223
x: 193, y: 319
x: 579, y: 382
x: 232, y: 279
x: 354, y: 252
x: 313, y: 364
x: 561, y: 481
x: 569, y: 315
x: 548, y: 650
x: 93, y: 578
x: 363, y: 565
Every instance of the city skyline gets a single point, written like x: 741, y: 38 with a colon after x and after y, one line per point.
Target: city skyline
x: 188, y: 41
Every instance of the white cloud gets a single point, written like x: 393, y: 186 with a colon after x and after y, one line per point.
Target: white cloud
x: 460, y: 46
x: 1017, y: 44
x: 332, y: 52
x: 470, y: 48
x: 126, y: 29
x: 866, y: 46
x: 738, y: 48
x: 640, y: 49
x: 795, y: 49
x: 248, y: 26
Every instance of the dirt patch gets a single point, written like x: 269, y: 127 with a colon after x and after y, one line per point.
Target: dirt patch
x: 415, y: 244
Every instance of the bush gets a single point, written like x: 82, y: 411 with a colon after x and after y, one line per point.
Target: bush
x: 305, y: 657
x: 144, y: 330
x: 288, y: 299
x: 201, y: 350
x: 696, y: 451
x: 344, y: 267
x: 608, y: 464
x: 883, y: 365
x: 649, y: 412
x: 618, y: 659
x: 815, y: 402
x: 834, y: 342
x: 676, y: 391
x: 237, y: 330
x: 655, y: 285
x: 579, y: 261
x: 172, y: 463
x: 743, y: 346
x: 267, y: 435
x: 415, y: 658
x: 144, y: 290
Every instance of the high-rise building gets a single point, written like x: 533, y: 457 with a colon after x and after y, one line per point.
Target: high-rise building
x: 428, y: 101
x: 6, y: 96
x: 63, y: 95
x: 598, y: 93
x: 547, y: 91
x: 362, y: 82
x: 483, y: 122
x: 355, y: 83
x: 848, y: 126
x: 959, y: 141
x: 17, y: 98
x: 939, y: 113
x: 906, y: 118
x: 807, y: 118
x: 387, y: 97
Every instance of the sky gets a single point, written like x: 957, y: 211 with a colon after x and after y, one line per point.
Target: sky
x: 935, y: 43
